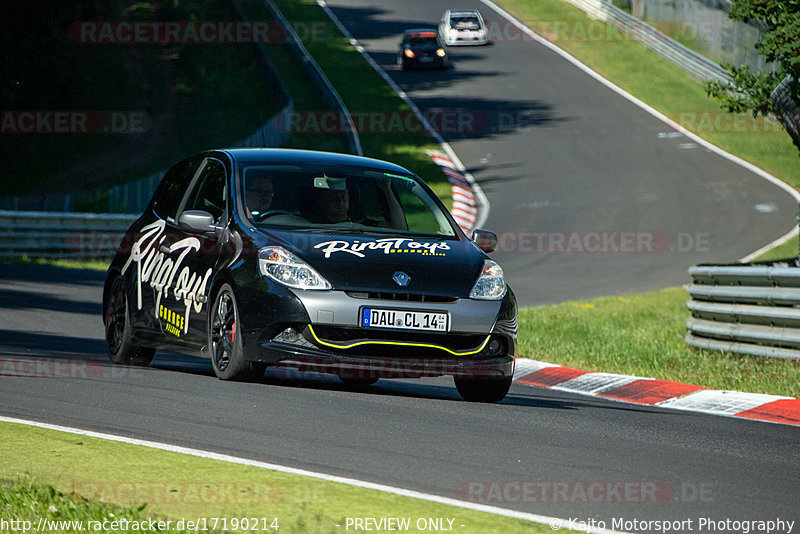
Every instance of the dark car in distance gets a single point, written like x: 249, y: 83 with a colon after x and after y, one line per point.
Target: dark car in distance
x: 314, y: 261
x: 422, y: 49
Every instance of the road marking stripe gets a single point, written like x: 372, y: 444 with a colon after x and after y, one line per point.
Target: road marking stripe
x: 294, y: 471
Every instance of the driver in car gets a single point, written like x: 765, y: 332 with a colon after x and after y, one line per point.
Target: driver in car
x: 258, y: 194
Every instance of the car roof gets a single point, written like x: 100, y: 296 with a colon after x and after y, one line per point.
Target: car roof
x: 463, y: 12
x: 285, y: 155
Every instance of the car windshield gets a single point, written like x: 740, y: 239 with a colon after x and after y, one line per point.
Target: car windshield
x: 345, y: 198
x: 469, y: 22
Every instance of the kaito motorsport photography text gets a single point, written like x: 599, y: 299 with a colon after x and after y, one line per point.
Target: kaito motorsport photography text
x: 700, y: 524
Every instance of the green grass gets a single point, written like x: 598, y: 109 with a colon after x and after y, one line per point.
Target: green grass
x: 643, y: 335
x: 364, y: 91
x: 28, y: 501
x: 94, y: 264
x: 178, y: 486
x: 781, y: 252
x: 662, y: 85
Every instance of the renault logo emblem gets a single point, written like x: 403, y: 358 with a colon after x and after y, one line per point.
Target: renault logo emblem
x: 401, y: 278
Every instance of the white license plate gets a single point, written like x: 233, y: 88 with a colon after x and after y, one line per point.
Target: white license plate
x: 405, y: 320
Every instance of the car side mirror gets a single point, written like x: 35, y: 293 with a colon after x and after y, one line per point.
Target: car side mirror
x: 486, y: 240
x: 196, y: 221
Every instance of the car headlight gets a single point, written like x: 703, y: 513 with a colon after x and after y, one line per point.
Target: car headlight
x: 440, y: 52
x: 284, y: 267
x: 490, y: 285
x: 408, y: 53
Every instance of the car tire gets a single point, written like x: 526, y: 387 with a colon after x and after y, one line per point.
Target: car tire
x: 119, y: 341
x: 483, y: 389
x: 224, y: 344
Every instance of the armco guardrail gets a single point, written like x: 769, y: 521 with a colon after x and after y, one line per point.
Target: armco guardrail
x: 695, y: 64
x: 749, y: 309
x: 38, y: 234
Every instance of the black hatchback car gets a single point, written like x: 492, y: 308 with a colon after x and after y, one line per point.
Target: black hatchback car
x: 315, y: 261
x: 421, y: 49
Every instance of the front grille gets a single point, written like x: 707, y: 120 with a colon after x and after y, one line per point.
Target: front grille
x: 399, y: 297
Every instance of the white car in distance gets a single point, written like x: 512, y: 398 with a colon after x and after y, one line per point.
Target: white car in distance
x: 463, y: 27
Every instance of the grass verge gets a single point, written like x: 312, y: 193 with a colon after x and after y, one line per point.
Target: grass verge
x: 661, y: 84
x: 781, y: 252
x: 94, y: 264
x: 30, y: 503
x: 178, y: 486
x: 643, y: 335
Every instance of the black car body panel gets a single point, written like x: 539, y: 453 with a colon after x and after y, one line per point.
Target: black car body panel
x: 380, y: 272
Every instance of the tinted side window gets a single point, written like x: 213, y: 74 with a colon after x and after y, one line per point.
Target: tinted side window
x: 209, y: 193
x: 173, y: 186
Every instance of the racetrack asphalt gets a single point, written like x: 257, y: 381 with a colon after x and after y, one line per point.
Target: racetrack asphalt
x: 590, y: 195
x: 410, y: 434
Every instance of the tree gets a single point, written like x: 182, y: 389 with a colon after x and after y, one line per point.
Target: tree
x: 779, y: 44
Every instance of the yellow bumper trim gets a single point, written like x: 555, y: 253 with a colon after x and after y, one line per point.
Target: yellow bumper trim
x: 397, y: 344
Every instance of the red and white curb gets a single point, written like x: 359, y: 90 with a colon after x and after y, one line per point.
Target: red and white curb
x: 661, y: 393
x: 465, y: 208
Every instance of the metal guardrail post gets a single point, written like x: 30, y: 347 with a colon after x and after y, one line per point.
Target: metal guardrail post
x: 61, y: 235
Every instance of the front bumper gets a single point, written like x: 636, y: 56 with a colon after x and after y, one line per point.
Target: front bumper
x: 314, y: 360
x: 436, y: 62
x: 466, y: 40
x: 328, y: 338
